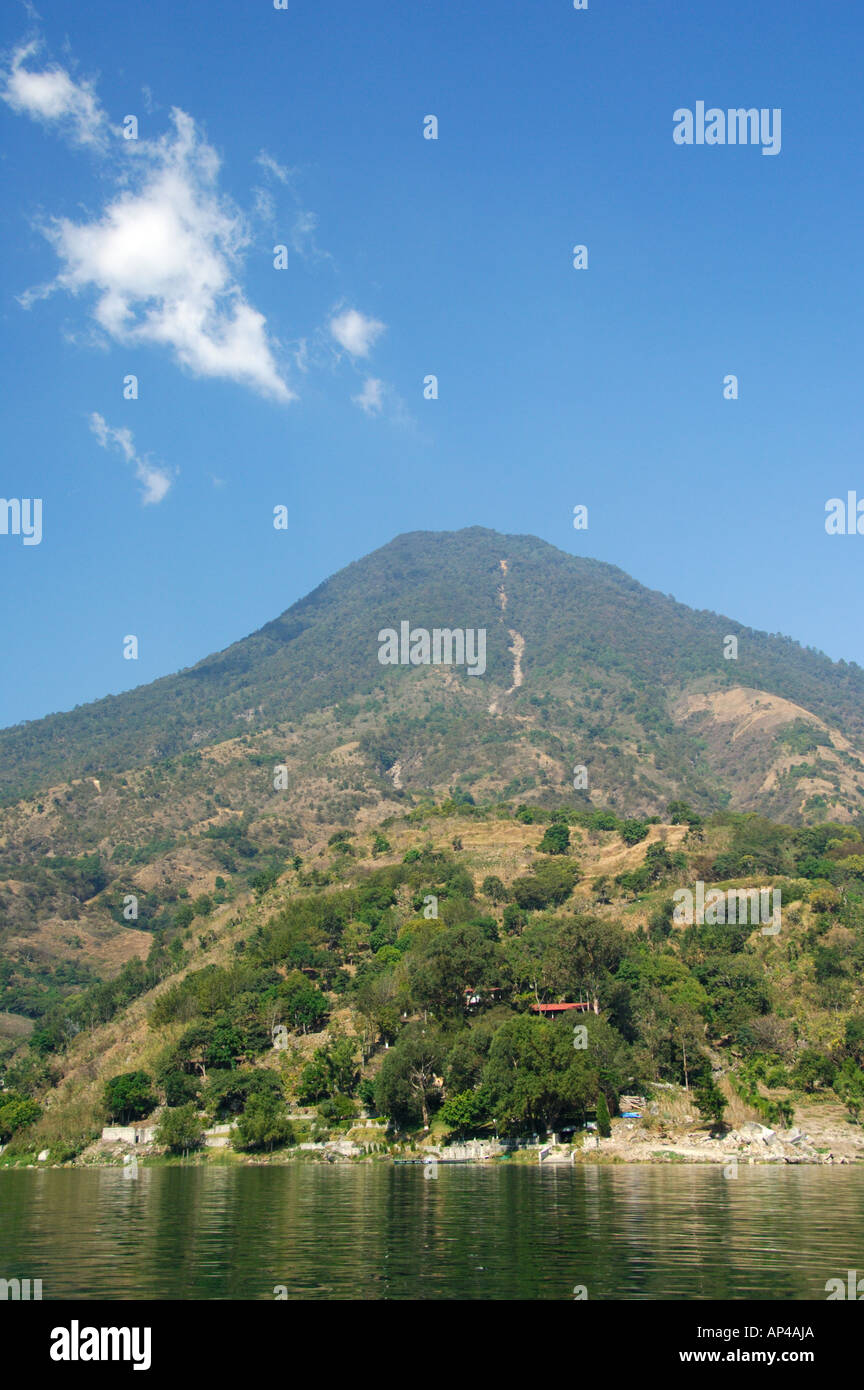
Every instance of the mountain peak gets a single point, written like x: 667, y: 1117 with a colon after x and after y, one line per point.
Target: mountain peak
x: 579, y: 659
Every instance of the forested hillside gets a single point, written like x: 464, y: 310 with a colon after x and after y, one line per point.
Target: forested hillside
x: 399, y: 972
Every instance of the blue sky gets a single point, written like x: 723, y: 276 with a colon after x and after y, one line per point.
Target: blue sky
x: 303, y: 386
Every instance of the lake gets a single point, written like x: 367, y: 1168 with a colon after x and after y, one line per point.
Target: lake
x: 377, y: 1231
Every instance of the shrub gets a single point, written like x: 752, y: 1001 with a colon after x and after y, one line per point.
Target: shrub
x: 632, y: 831
x: 180, y: 1130
x: 493, y: 888
x: 551, y: 883
x: 337, y: 1109
x: 16, y: 1113
x: 556, y: 839
x: 263, y: 1125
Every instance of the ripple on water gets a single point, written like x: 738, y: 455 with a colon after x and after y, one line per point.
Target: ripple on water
x: 376, y: 1231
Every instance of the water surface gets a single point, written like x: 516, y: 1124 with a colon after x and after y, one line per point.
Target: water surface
x: 378, y: 1231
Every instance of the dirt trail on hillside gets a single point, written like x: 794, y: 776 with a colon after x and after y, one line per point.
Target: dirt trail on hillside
x: 516, y: 648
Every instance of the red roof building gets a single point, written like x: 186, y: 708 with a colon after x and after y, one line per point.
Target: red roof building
x: 553, y: 1010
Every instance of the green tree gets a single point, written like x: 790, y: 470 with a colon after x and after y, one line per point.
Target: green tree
x: 227, y: 1093
x: 602, y: 889
x: 604, y: 1124
x: 669, y: 1028
x: 405, y: 1087
x: 513, y: 919
x: 264, y: 1124
x: 337, y: 1110
x: 465, y: 957
x: 848, y: 1085
x: 129, y: 1097
x: 556, y: 839
x: 215, y: 1042
x: 812, y: 1070
x: 331, y: 1071
x: 708, y: 1098
x: 305, y: 1006
x: 262, y: 882
x: 632, y: 831
x: 378, y: 1007
x: 658, y: 862
x: 854, y: 1038
x: 660, y: 920
x: 535, y: 1077
x: 465, y: 1110
x: 179, y: 1086
x: 584, y: 953
x: 180, y: 1130
x: 493, y: 888
x: 16, y: 1112
x: 549, y: 885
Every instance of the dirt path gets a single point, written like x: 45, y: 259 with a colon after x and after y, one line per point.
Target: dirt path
x: 516, y: 648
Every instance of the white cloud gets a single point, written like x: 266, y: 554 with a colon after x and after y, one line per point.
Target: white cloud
x: 155, y: 481
x: 162, y: 258
x: 304, y: 224
x: 355, y: 332
x: 272, y: 166
x: 371, y: 398
x: 303, y: 237
x: 51, y: 95
x: 263, y: 206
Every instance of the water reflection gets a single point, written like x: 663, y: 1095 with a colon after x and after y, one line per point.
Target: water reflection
x: 474, y: 1233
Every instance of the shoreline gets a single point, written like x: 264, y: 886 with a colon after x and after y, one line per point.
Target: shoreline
x: 663, y: 1156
